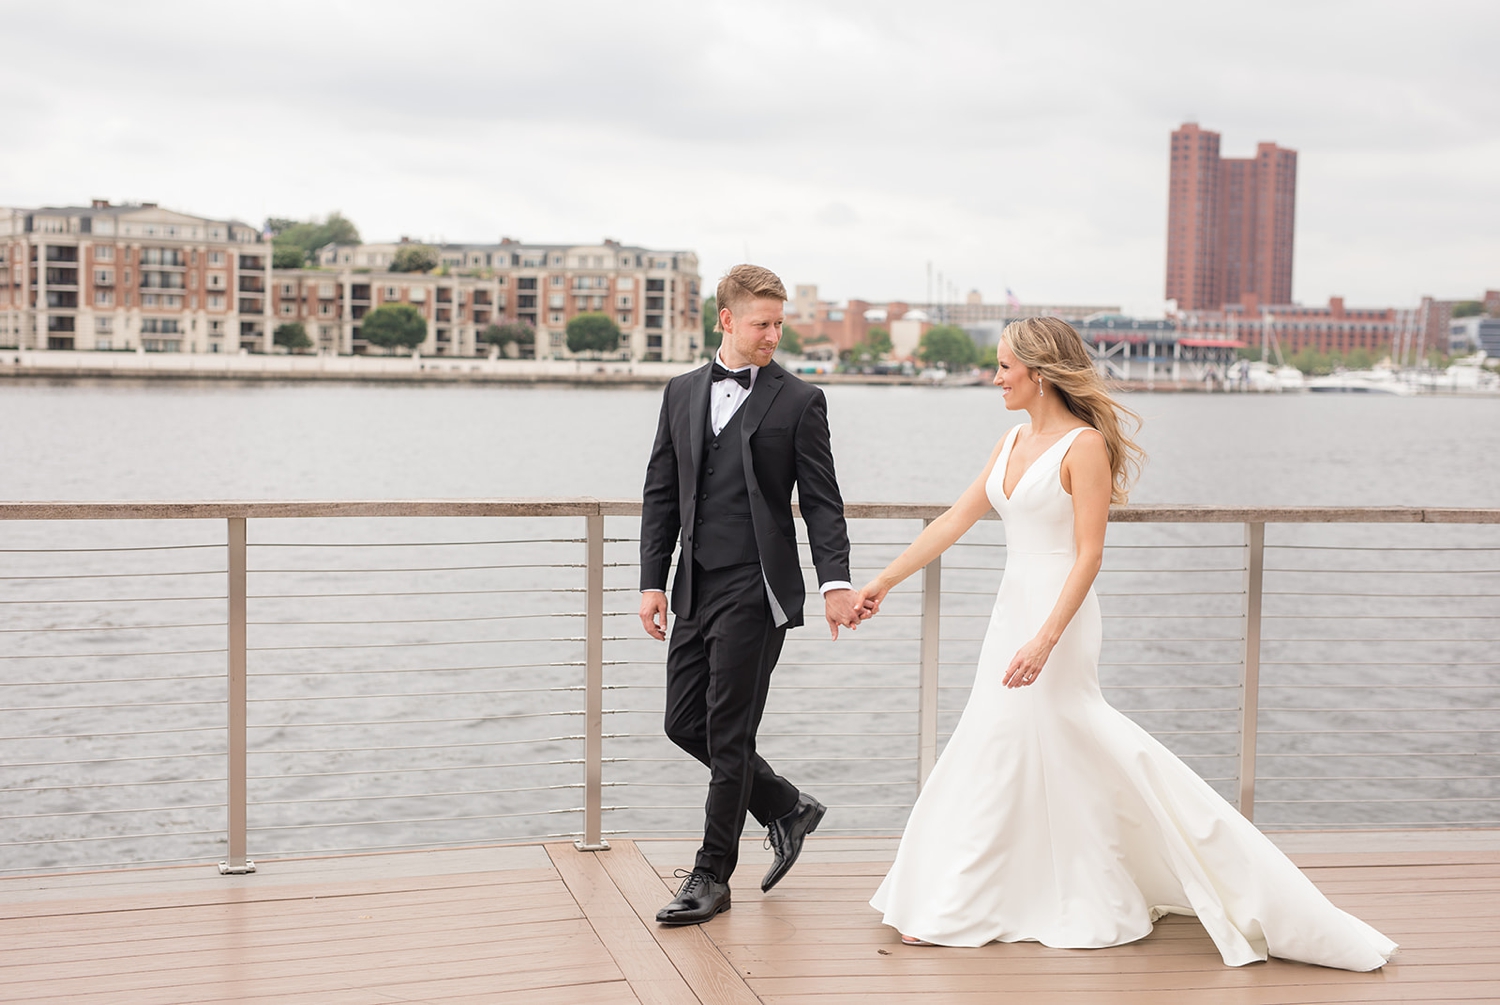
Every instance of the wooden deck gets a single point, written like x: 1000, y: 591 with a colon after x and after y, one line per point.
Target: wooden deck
x: 547, y: 924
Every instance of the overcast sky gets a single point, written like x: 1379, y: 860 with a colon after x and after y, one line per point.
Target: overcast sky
x: 849, y: 144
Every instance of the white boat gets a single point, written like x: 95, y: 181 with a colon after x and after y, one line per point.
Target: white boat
x: 1254, y: 375
x: 1361, y: 382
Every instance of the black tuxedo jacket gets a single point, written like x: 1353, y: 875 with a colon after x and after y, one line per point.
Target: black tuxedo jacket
x: 784, y: 439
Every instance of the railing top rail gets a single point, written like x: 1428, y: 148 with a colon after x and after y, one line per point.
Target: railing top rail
x: 585, y: 506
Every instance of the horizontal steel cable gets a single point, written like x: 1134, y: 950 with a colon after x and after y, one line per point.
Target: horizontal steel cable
x: 85, y: 656
x: 411, y: 544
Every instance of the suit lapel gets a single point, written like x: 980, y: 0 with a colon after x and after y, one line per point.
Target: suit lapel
x: 698, y: 413
x: 767, y: 386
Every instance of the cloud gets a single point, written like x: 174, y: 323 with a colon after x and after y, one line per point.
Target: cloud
x: 846, y: 143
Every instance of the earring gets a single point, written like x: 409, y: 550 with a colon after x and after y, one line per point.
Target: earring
x: 1041, y: 392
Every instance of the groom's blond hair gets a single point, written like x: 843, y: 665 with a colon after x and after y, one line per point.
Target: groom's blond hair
x: 745, y: 283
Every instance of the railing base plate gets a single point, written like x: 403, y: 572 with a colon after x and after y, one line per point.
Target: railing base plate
x: 603, y: 845
x: 225, y: 869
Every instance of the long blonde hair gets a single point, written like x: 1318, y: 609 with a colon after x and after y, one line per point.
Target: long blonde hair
x: 1052, y: 349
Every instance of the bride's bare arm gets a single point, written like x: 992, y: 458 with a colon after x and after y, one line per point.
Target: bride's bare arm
x: 935, y: 538
x: 1086, y: 476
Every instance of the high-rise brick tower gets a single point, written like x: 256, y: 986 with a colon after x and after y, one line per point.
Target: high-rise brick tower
x: 1229, y: 223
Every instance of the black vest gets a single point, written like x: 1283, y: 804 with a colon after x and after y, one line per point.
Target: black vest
x: 725, y: 533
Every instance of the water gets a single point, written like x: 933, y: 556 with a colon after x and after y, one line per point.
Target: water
x: 430, y: 702
x: 168, y: 440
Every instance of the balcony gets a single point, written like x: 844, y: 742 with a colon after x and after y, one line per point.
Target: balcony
x: 252, y: 284
x: 62, y: 298
x: 62, y: 277
x: 254, y: 262
x: 61, y: 253
x: 251, y: 306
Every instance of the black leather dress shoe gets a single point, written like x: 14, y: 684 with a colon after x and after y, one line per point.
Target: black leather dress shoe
x: 786, y: 834
x: 699, y: 898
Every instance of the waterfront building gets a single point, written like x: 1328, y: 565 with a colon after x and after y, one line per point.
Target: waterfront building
x: 1230, y: 223
x: 846, y: 324
x: 131, y: 277
x: 1291, y: 328
x: 654, y: 296
x: 1466, y: 335
x: 147, y: 279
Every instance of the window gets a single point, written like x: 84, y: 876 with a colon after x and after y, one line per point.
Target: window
x: 656, y: 286
x: 216, y: 328
x: 623, y: 300
x: 102, y: 344
x: 157, y: 326
x: 287, y: 308
x: 556, y: 301
x: 104, y: 253
x: 624, y: 317
x: 390, y: 293
x: 104, y: 326
x: 215, y: 302
x: 557, y: 259
x: 526, y: 283
x: 325, y: 290
x: 216, y: 258
x: 555, y: 319
x: 557, y: 280
x: 325, y: 309
x: 287, y: 289
x: 104, y: 298
x: 653, y: 320
x: 216, y: 280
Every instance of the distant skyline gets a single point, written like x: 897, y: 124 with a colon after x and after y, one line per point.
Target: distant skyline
x: 844, y: 143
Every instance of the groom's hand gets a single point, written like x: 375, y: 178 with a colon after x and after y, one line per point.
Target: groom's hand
x: 842, y: 610
x: 654, y: 614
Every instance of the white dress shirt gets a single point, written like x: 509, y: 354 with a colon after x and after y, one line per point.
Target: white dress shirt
x: 724, y: 399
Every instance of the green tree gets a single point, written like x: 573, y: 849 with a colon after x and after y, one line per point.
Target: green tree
x: 1312, y: 362
x: 791, y: 341
x: 948, y: 346
x: 989, y: 358
x: 711, y: 338
x: 1252, y: 353
x: 1468, y: 309
x: 594, y: 331
x: 297, y: 242
x: 414, y: 258
x: 292, y: 335
x: 875, y: 346
x: 284, y: 256
x: 394, y: 325
x: 522, y: 336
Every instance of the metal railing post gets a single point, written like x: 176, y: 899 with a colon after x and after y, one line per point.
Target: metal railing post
x: 593, y: 685
x: 1255, y: 570
x: 237, y: 863
x: 927, y: 692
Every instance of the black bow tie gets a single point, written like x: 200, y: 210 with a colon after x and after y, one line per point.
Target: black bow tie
x: 741, y: 377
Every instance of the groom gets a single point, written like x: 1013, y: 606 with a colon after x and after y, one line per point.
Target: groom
x: 733, y: 439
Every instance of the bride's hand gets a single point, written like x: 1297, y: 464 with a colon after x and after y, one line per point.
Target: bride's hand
x: 1027, y: 664
x: 870, y: 597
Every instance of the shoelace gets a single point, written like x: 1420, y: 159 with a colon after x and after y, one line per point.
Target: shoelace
x: 693, y: 882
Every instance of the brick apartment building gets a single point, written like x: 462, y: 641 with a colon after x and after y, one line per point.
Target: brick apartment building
x: 143, y: 278
x: 655, y: 297
x: 1230, y: 223
x: 108, y: 277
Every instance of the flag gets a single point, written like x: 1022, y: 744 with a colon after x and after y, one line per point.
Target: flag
x: 1011, y: 300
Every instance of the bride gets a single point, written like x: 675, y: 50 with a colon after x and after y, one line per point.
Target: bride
x: 1052, y: 817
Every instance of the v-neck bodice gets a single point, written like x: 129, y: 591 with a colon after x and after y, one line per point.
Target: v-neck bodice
x: 1038, y: 514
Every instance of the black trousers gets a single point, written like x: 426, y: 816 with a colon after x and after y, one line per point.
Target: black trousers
x: 719, y: 665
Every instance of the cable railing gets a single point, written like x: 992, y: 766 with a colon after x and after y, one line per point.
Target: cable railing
x: 202, y: 681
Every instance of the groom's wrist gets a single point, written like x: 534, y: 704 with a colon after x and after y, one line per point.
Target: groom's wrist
x: 835, y: 584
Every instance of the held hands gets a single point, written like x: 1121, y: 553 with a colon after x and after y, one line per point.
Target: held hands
x: 844, y: 609
x: 1028, y: 662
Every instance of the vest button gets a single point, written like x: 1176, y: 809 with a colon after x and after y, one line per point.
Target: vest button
x: 700, y: 521
x: 716, y: 444
x: 704, y: 497
x: 710, y: 470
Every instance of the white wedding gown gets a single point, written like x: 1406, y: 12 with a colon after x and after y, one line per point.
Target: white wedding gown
x: 1054, y: 818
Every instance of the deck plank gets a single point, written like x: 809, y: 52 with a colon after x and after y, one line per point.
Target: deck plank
x: 650, y: 974
x: 578, y: 928
x: 690, y: 948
